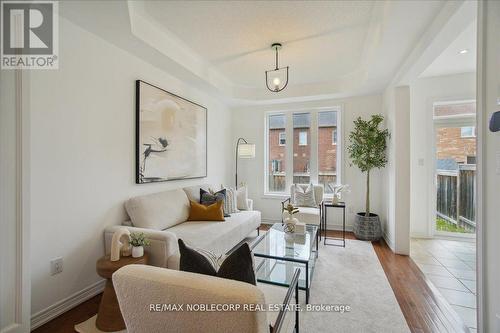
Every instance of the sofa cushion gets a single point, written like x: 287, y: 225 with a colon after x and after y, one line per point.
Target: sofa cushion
x: 218, y: 237
x: 158, y: 210
x: 308, y: 215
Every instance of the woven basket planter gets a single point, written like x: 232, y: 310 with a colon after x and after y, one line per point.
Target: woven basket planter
x: 367, y: 227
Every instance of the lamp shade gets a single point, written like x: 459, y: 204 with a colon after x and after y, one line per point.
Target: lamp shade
x: 246, y: 150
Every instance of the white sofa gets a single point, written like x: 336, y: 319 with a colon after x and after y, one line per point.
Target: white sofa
x: 162, y: 217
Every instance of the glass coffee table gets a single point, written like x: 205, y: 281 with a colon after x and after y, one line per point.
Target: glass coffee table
x: 277, y: 254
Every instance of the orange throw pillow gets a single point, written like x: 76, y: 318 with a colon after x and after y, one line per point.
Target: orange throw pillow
x: 201, y: 212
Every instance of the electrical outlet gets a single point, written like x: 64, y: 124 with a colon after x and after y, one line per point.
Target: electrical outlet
x: 56, y: 266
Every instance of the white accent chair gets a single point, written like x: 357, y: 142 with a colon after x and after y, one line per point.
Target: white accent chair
x: 307, y: 215
x: 145, y: 292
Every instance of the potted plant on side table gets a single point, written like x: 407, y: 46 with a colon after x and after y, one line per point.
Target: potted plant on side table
x: 138, y: 240
x: 367, y: 150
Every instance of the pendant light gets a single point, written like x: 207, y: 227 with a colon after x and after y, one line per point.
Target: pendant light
x: 277, y: 79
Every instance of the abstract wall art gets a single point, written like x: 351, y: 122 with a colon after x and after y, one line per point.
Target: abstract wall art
x: 171, y: 136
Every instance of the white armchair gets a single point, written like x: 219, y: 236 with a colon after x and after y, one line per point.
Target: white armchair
x: 144, y: 292
x: 307, y: 215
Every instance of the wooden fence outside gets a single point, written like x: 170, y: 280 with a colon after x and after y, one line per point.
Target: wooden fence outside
x: 456, y: 196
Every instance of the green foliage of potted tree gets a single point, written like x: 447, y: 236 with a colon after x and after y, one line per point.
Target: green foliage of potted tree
x: 367, y: 150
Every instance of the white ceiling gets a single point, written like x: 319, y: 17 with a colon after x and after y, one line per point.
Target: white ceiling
x: 451, y: 61
x: 333, y: 48
x: 322, y: 40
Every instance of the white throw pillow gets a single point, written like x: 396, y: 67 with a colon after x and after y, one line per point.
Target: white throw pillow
x: 304, y: 197
x: 230, y: 204
x: 242, y: 198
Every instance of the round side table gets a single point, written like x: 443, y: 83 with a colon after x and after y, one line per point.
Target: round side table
x: 109, y: 317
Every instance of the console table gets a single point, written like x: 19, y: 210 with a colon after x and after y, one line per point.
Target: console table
x: 324, y: 209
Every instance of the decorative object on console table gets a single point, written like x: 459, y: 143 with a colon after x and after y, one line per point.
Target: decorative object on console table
x: 337, y: 191
x: 138, y: 240
x: 290, y: 221
x: 367, y: 150
x: 324, y: 217
x: 171, y: 136
x: 120, y: 243
x: 109, y: 317
x: 243, y: 150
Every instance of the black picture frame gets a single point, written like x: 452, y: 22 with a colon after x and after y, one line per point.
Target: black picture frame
x: 139, y: 179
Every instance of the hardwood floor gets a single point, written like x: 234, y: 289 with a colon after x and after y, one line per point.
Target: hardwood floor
x: 424, y: 308
x: 422, y: 305
x: 66, y: 322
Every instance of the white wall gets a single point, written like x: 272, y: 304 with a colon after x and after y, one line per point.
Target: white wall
x: 424, y: 92
x: 83, y: 155
x: 397, y: 186
x: 249, y: 123
x: 8, y: 198
x: 489, y: 165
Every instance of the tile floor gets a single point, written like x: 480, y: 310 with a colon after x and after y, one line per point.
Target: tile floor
x: 451, y: 266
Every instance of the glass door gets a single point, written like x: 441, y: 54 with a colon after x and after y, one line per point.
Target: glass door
x: 455, y: 147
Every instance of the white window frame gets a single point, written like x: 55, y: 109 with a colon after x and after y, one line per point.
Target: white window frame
x: 314, y: 129
x: 473, y: 135
x: 301, y: 143
x: 334, y: 136
x: 279, y: 139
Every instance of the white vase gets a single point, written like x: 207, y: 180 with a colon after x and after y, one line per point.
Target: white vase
x: 137, y: 251
x: 290, y: 223
x: 335, y: 200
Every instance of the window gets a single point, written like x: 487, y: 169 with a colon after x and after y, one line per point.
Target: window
x: 301, y: 150
x: 468, y: 132
x: 302, y: 138
x: 313, y: 156
x: 282, y: 138
x: 327, y: 153
x: 276, y: 153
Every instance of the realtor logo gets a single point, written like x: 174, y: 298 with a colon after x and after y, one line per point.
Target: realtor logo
x: 29, y: 33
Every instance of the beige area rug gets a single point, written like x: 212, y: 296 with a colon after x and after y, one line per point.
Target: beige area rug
x: 88, y: 326
x: 352, y: 276
x: 349, y: 276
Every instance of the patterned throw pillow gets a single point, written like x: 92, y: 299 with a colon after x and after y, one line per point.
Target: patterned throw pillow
x: 304, y: 198
x: 230, y: 204
x: 236, y: 266
x: 208, y: 198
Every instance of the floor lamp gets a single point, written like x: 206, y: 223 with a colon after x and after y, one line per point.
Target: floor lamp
x: 243, y: 150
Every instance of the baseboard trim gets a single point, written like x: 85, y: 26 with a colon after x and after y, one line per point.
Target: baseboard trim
x: 57, y: 309
x: 338, y: 227
x: 388, y: 242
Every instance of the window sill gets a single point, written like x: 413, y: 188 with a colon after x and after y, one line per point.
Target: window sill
x: 280, y: 196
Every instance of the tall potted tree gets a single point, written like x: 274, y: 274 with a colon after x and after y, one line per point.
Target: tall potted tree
x: 367, y: 150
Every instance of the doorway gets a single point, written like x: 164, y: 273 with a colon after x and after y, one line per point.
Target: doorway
x: 455, y: 169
